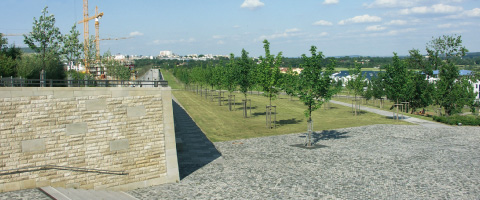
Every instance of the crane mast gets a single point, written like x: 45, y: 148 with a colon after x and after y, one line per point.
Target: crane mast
x: 86, y: 42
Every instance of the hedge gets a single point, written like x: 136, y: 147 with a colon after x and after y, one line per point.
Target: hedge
x: 455, y: 119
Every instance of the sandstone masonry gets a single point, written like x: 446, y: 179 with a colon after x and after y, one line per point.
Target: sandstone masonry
x: 117, y: 129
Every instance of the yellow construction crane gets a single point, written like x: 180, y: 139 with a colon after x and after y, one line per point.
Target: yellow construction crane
x: 85, y: 21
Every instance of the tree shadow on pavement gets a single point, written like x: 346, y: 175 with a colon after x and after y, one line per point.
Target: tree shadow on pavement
x: 329, y: 135
x: 195, y: 150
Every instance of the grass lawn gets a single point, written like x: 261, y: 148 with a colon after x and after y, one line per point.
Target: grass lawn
x: 172, y: 81
x: 220, y: 124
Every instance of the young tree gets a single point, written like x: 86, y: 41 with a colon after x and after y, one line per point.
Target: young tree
x: 268, y: 77
x: 314, y: 85
x: 72, y: 47
x: 8, y: 57
x: 289, y: 82
x: 245, y: 77
x: 377, y: 87
x: 356, y: 83
x: 396, y: 80
x: 230, y: 78
x: 45, y: 38
x: 269, y: 72
x: 419, y: 89
x: 451, y: 94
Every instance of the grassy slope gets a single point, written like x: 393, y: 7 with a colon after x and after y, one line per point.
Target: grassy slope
x: 220, y: 124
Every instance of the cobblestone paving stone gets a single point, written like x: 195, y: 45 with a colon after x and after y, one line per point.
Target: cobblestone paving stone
x: 370, y: 162
x: 24, y: 195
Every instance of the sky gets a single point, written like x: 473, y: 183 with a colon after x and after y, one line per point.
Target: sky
x: 221, y: 27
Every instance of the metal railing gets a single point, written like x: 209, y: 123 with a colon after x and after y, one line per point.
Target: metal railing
x: 18, y: 82
x: 50, y: 167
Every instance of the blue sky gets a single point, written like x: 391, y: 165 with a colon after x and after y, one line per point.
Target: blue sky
x: 336, y: 27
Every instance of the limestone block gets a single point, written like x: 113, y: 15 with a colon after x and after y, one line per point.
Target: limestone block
x: 62, y: 94
x: 136, y: 111
x: 77, y: 128
x: 97, y: 104
x: 33, y: 145
x: 117, y: 145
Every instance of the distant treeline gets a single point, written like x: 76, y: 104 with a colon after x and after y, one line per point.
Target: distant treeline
x: 470, y: 61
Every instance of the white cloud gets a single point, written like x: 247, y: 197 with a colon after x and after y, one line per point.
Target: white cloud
x: 135, y: 33
x: 322, y: 23
x: 397, y: 22
x: 322, y: 34
x: 396, y: 32
x: 375, y: 28
x: 218, y: 37
x: 285, y: 34
x: 473, y: 13
x: 360, y: 19
x: 468, y: 13
x: 391, y: 3
x: 252, y: 4
x: 436, y: 9
x: 189, y: 40
x: 329, y: 2
x: 444, y: 25
x: 220, y: 42
x: 292, y: 30
x: 236, y: 26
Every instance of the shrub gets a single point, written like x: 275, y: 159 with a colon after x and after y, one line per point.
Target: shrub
x: 455, y: 119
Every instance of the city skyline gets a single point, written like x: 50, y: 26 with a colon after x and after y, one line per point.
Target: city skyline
x: 336, y: 27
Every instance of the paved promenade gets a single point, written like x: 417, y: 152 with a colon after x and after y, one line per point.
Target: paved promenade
x: 422, y: 122
x: 370, y: 162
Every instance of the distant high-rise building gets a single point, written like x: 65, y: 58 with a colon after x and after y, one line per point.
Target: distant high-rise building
x: 165, y: 54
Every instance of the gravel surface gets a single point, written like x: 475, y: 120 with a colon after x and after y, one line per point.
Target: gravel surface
x: 24, y: 195
x: 370, y: 162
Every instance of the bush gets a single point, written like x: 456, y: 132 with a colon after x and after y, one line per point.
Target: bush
x: 455, y: 119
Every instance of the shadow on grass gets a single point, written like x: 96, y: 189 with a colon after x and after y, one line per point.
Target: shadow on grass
x: 359, y: 112
x: 260, y: 113
x: 194, y: 150
x: 248, y: 110
x: 289, y: 121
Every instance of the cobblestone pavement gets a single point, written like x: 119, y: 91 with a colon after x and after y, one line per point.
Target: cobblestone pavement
x: 370, y: 162
x: 33, y: 194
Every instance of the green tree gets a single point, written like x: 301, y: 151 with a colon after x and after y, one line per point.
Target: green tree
x: 245, y: 76
x: 451, y: 93
x: 8, y: 57
x: 269, y: 72
x: 230, y: 74
x: 289, y: 82
x: 419, y: 89
x: 396, y: 80
x: 72, y: 47
x: 45, y: 38
x: 115, y: 69
x: 356, y: 83
x: 314, y: 85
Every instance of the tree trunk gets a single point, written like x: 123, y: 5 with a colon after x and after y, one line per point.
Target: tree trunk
x: 309, y: 127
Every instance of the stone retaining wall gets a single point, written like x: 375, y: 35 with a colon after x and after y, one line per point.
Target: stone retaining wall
x: 120, y: 129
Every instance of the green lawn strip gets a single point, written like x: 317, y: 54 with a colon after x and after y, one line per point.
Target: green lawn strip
x: 172, y: 81
x: 220, y: 124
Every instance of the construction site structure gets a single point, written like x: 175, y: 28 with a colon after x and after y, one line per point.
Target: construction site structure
x: 86, y: 19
